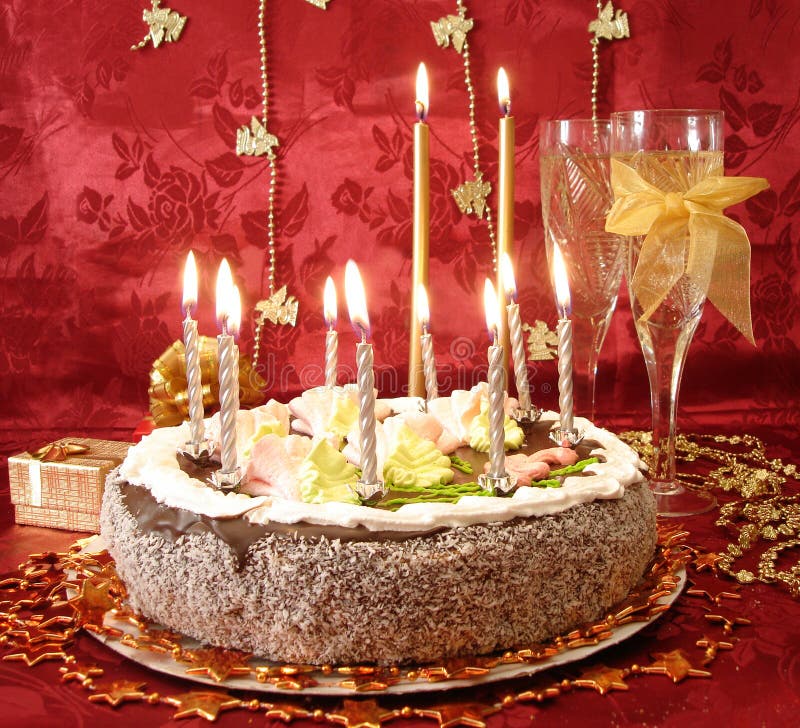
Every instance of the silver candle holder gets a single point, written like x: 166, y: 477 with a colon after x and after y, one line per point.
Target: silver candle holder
x: 497, y: 483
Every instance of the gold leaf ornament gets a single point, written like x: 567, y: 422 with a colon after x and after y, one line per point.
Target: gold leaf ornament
x: 255, y: 140
x: 610, y: 25
x: 278, y: 308
x: 165, y: 25
x: 471, y: 197
x: 542, y: 342
x: 452, y: 29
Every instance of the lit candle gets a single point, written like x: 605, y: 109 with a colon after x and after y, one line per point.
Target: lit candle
x: 194, y: 384
x: 416, y: 381
x: 564, y: 341
x: 228, y: 314
x: 428, y: 362
x: 357, y: 308
x: 515, y: 330
x: 330, y: 311
x: 497, y: 434
x: 505, y: 186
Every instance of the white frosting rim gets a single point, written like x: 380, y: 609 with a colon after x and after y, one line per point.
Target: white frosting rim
x: 152, y: 464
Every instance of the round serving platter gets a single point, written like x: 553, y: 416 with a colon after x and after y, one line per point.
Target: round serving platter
x: 358, y: 680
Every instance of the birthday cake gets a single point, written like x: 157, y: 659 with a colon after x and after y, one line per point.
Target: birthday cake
x: 297, y: 567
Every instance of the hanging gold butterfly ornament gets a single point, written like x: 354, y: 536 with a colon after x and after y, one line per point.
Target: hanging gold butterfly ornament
x: 166, y: 25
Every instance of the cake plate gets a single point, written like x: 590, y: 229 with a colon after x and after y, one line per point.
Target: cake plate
x: 356, y: 680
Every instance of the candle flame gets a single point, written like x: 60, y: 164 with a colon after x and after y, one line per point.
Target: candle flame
x: 491, y: 306
x: 189, y: 283
x: 356, y: 299
x: 503, y: 93
x: 235, y: 315
x: 423, y: 309
x: 224, y: 286
x: 329, y: 306
x: 561, y: 281
x: 422, y: 100
x: 507, y: 277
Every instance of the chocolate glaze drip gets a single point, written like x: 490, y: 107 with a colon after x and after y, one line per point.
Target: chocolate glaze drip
x: 240, y: 534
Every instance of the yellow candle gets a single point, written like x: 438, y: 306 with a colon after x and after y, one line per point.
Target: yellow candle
x: 416, y: 377
x: 505, y: 190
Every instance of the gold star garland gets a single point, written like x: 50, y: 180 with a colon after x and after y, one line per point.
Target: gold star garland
x: 609, y: 26
x: 471, y: 196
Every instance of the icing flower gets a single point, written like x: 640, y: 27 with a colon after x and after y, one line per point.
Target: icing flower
x: 325, y: 475
x: 479, y: 432
x: 416, y: 461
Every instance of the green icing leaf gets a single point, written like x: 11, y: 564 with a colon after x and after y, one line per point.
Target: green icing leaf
x: 416, y: 462
x: 556, y: 482
x: 344, y: 415
x: 325, y: 475
x: 479, y: 432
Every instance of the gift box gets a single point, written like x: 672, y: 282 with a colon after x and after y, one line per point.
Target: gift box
x: 61, y: 484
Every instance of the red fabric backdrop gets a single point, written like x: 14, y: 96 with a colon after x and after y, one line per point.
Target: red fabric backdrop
x: 114, y: 164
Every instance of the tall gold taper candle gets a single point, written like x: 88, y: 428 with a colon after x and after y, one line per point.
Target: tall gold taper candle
x: 428, y: 361
x: 369, y: 484
x: 497, y: 433
x: 330, y: 311
x: 416, y: 379
x: 564, y: 341
x: 229, y: 314
x: 515, y: 330
x: 194, y: 385
x: 505, y: 188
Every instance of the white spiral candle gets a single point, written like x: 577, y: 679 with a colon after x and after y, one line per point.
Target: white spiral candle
x: 228, y: 400
x: 366, y: 413
x: 565, y: 373
x: 497, y: 433
x: 518, y: 352
x: 331, y: 357
x: 194, y: 384
x: 429, y: 364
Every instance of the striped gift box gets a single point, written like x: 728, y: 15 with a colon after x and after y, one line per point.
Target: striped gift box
x: 65, y: 493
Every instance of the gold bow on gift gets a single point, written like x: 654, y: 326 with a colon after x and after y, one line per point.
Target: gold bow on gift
x: 56, y: 452
x: 169, y: 400
x: 715, y: 255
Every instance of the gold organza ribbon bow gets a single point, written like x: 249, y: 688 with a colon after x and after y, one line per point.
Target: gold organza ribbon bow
x: 715, y: 255
x: 56, y: 452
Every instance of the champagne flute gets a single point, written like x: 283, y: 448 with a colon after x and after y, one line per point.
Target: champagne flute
x: 672, y: 150
x: 576, y: 196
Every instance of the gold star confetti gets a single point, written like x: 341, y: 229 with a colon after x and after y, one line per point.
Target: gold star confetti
x: 453, y: 714
x: 712, y: 647
x: 93, y: 601
x: 205, y: 704
x: 361, y: 714
x: 728, y: 621
x: 603, y: 679
x: 116, y: 692
x: 287, y: 712
x: 675, y: 665
x: 218, y: 663
x: 709, y: 560
x: 716, y: 598
x: 37, y: 656
x: 79, y: 671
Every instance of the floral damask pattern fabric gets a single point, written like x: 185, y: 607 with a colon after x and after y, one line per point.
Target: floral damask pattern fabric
x: 114, y: 164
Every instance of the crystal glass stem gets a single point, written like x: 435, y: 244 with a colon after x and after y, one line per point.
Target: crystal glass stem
x: 665, y: 349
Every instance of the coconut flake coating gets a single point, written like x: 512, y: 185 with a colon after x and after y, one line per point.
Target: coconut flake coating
x: 464, y: 591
